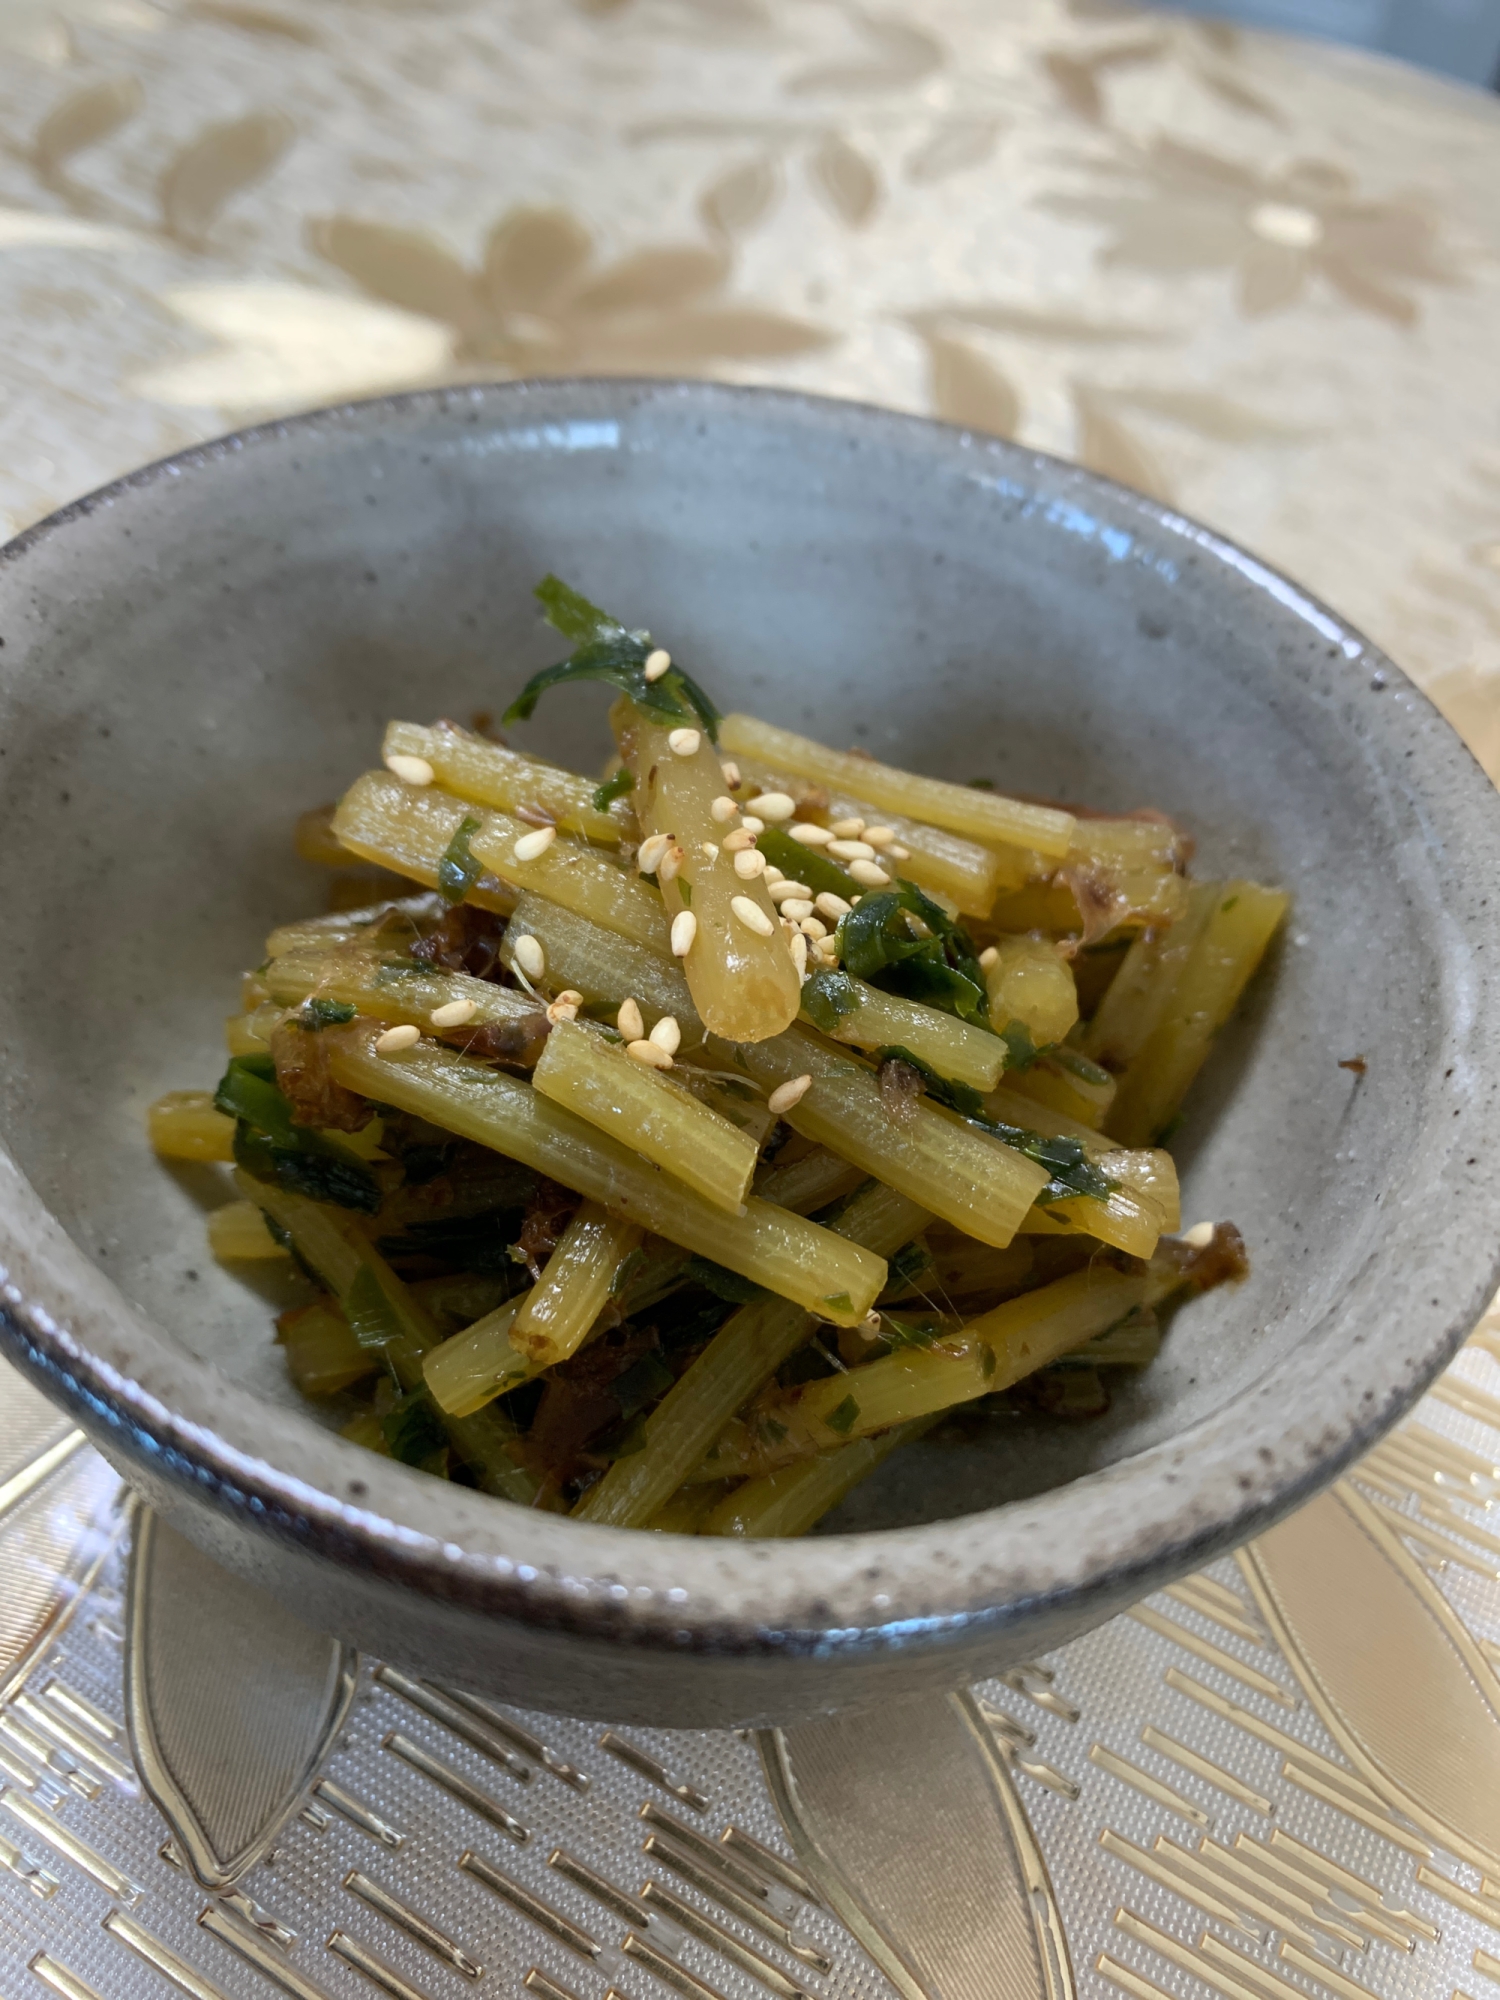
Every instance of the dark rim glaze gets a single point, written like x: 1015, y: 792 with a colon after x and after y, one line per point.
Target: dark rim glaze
x: 1104, y: 1539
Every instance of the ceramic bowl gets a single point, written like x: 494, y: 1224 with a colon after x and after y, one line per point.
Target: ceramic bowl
x: 199, y: 652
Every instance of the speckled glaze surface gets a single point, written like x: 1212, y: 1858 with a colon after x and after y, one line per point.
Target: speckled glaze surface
x: 194, y: 655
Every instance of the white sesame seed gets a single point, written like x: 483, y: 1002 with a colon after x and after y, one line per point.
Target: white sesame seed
x: 785, y: 887
x: 732, y: 776
x: 749, y: 863
x: 810, y: 834
x: 738, y: 841
x: 869, y: 873
x: 410, y: 770
x: 851, y: 850
x: 629, y: 1021
x: 667, y: 1035
x: 649, y: 1054
x: 394, y: 1040
x: 453, y: 1013
x: 1199, y: 1236
x: 831, y: 905
x: 797, y: 907
x: 989, y: 956
x: 684, y: 930
x: 773, y: 874
x: 799, y: 954
x: 785, y: 1095
x: 657, y: 664
x: 752, y: 916
x: 846, y: 829
x: 723, y: 808
x: 898, y: 854
x: 649, y: 853
x: 751, y: 825
x: 684, y: 742
x: 670, y: 865
x: 529, y: 956
x: 710, y: 850
x: 569, y: 997
x: 532, y: 845
x: 562, y: 1009
x: 810, y: 927
x: 879, y: 836
x: 774, y: 805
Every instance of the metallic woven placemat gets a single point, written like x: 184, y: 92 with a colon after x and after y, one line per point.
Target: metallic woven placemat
x: 1281, y: 1777
x: 1218, y: 267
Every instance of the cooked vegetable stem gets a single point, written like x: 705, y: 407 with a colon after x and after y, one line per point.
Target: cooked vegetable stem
x: 968, y: 1178
x: 702, y: 1131
x: 741, y: 1357
x: 557, y: 1313
x: 787, y: 1255
x: 648, y: 1111
x: 991, y: 1352
x: 980, y: 815
x: 739, y: 966
x: 488, y: 774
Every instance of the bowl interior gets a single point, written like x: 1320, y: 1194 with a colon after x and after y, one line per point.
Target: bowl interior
x: 210, y: 653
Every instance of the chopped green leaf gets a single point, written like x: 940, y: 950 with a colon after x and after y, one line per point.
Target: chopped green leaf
x: 909, y: 1262
x: 463, y: 1242
x: 570, y: 612
x: 771, y: 1429
x: 458, y: 870
x: 805, y: 864
x: 960, y: 1097
x: 319, y: 1013
x: 1225, y: 907
x: 843, y: 1418
x: 827, y: 996
x: 270, y: 1147
x: 685, y: 890
x: 906, y: 943
x: 613, y: 788
x: 1023, y: 1050
x: 981, y: 784
x: 987, y: 1365
x: 1071, y: 1169
x: 642, y: 1383
x: 414, y: 1431
x: 248, y: 1090
x: 605, y: 651
x: 840, y: 1301
x: 1078, y: 1065
x: 723, y: 1284
x: 319, y: 1176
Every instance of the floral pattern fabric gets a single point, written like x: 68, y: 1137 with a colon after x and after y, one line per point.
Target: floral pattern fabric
x: 1256, y: 278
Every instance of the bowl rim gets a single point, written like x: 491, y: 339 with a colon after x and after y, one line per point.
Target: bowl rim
x: 1107, y: 1536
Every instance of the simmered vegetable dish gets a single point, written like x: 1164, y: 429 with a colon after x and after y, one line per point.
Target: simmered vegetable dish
x: 699, y: 1135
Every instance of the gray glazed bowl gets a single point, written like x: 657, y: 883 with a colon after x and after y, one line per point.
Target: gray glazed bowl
x: 197, y: 653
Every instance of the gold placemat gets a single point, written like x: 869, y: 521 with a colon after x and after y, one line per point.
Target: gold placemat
x: 1257, y: 279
